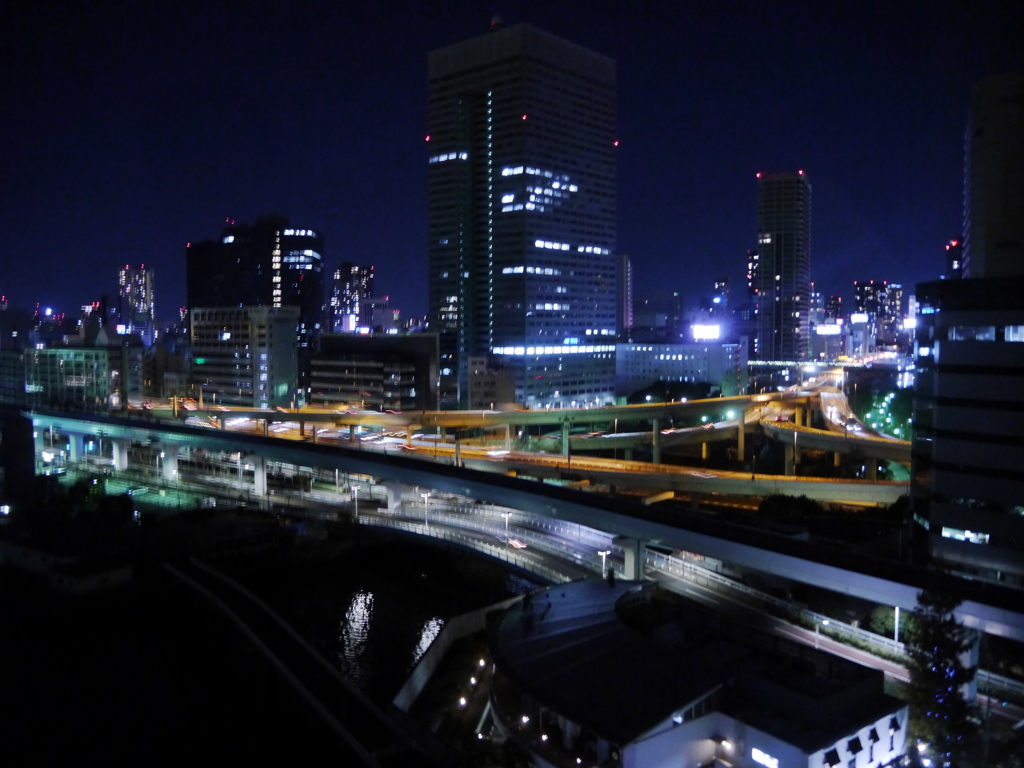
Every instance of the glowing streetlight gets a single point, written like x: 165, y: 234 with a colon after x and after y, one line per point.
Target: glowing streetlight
x: 603, y: 553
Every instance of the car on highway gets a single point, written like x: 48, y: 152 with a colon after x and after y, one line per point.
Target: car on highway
x: 517, y: 543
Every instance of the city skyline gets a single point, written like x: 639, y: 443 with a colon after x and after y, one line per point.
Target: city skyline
x: 133, y: 137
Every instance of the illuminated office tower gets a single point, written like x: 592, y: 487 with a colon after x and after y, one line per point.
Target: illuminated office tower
x: 521, y: 182
x: 135, y: 302
x: 351, y: 289
x: 266, y: 264
x: 784, y: 272
x: 994, y: 179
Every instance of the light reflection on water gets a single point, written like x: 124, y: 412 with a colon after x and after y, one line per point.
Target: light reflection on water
x: 354, y: 640
x: 431, y: 629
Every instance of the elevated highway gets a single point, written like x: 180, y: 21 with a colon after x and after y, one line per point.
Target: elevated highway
x: 987, y: 608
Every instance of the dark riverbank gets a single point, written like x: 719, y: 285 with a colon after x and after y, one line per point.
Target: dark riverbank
x: 153, y: 672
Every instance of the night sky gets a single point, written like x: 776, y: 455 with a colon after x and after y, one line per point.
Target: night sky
x: 128, y: 132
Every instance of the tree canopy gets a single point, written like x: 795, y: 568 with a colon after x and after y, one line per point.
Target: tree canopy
x: 936, y: 646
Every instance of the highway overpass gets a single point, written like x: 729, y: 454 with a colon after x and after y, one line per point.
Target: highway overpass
x: 988, y: 608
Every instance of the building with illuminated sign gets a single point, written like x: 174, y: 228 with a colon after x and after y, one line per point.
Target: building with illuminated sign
x: 784, y: 272
x: 245, y: 356
x: 678, y: 685
x: 520, y: 160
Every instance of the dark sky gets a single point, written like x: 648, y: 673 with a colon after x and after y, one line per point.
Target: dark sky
x: 129, y: 131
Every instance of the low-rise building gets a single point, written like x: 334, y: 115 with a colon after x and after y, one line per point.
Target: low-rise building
x: 724, y: 366
x: 380, y: 371
x: 594, y: 673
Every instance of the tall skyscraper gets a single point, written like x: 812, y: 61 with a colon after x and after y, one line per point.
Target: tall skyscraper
x: 994, y: 179
x: 625, y: 293
x: 784, y: 273
x: 266, y: 264
x: 351, y: 289
x: 135, y: 306
x: 521, y: 182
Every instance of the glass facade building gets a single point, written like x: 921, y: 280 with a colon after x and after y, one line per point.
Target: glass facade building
x: 784, y: 271
x: 521, y: 183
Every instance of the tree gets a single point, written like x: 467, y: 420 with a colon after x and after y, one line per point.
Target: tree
x: 935, y: 647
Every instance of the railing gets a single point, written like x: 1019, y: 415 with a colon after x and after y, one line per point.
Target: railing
x: 501, y: 552
x: 988, y: 682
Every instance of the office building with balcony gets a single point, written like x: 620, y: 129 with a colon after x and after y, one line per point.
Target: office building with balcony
x: 376, y: 372
x: 783, y: 277
x: 245, y: 356
x: 521, y: 186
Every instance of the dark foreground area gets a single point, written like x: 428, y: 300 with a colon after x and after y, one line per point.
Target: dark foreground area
x: 155, y: 673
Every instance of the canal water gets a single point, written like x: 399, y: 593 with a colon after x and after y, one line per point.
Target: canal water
x: 374, y: 610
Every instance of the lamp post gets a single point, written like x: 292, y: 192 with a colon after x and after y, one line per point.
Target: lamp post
x: 603, y: 553
x: 426, y: 520
x: 506, y: 514
x: 355, y: 496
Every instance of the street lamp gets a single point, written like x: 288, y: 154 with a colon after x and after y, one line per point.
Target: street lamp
x: 603, y: 553
x: 355, y: 496
x: 506, y: 514
x: 426, y: 520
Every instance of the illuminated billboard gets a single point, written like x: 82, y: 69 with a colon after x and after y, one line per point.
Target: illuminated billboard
x: 706, y: 332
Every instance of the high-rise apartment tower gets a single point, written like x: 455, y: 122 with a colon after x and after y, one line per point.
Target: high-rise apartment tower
x: 135, y: 302
x: 521, y: 182
x: 784, y: 272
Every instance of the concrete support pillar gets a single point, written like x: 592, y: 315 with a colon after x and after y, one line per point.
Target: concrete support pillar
x: 970, y: 658
x: 741, y: 438
x: 119, y: 449
x: 76, y: 447
x: 40, y: 439
x: 837, y: 459
x: 508, y: 437
x: 565, y: 438
x: 790, y: 460
x: 266, y: 427
x: 394, y: 491
x: 627, y: 454
x: 222, y: 423
x: 704, y: 451
x: 458, y: 450
x: 633, y: 557
x: 799, y: 415
x: 872, y: 466
x: 169, y: 464
x: 695, y: 502
x: 314, y: 431
x: 259, y: 474
x: 570, y: 732
x: 656, y: 441
x: 351, y: 433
